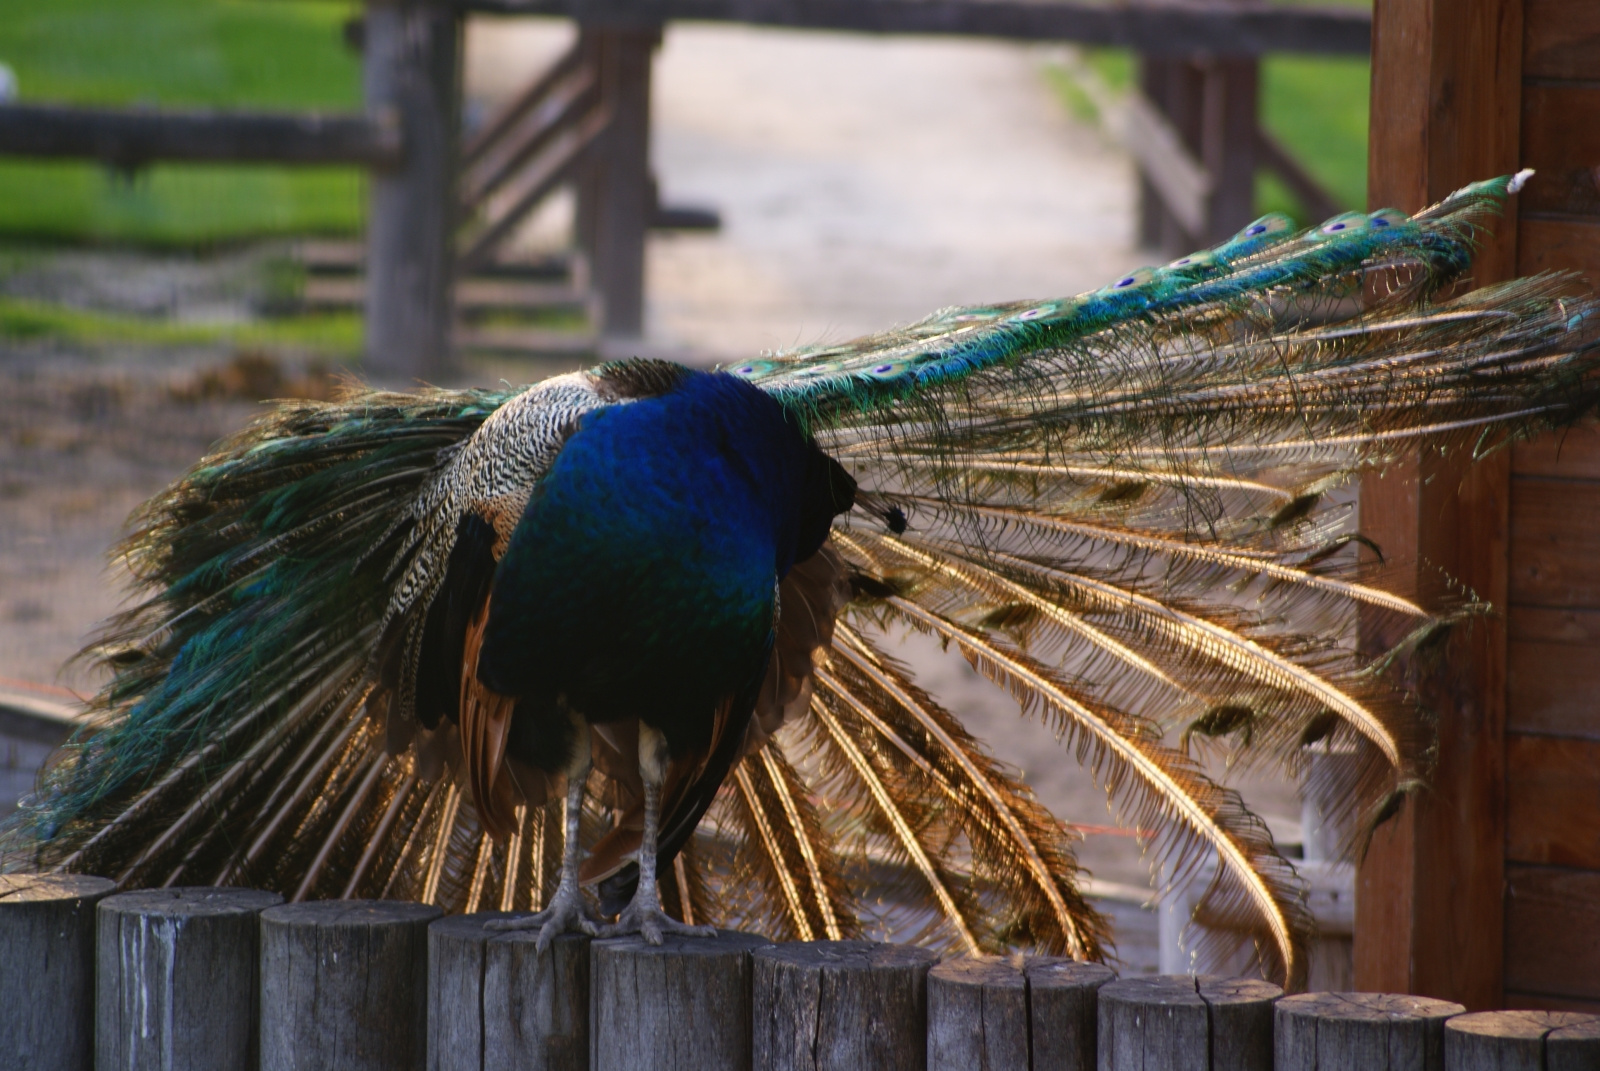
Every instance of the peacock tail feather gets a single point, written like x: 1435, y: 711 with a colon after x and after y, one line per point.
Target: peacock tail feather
x: 1130, y: 509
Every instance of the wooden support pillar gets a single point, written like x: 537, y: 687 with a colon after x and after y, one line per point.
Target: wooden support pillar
x: 1211, y: 105
x: 412, y: 77
x: 616, y: 197
x: 1445, y: 112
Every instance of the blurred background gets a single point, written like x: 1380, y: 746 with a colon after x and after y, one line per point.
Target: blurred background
x: 809, y: 186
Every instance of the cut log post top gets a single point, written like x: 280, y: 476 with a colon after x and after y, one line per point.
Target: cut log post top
x: 344, y: 985
x: 47, y: 943
x: 1014, y: 1012
x: 1187, y: 1023
x: 1522, y: 1041
x: 177, y: 977
x: 496, y: 1004
x: 684, y: 1003
x: 1334, y: 1031
x: 841, y: 1004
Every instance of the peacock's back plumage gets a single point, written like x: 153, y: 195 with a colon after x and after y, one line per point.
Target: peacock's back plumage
x: 1123, y: 507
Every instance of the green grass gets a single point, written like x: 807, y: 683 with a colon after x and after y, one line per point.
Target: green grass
x: 334, y: 334
x: 280, y: 54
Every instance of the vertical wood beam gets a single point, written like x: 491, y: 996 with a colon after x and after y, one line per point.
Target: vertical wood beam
x: 616, y: 195
x: 412, y: 75
x: 1212, y: 104
x: 1429, y: 906
x: 1228, y: 106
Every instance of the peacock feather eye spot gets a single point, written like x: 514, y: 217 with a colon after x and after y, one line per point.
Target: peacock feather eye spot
x: 1255, y: 229
x: 882, y: 368
x: 895, y: 518
x: 1125, y: 281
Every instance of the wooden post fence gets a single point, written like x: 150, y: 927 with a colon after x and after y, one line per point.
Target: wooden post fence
x: 387, y: 984
x: 413, y: 72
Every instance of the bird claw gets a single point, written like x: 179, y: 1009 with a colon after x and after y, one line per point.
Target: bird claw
x: 568, y: 913
x: 653, y: 924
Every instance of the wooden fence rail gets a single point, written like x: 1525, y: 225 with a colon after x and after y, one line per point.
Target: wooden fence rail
x: 192, y: 979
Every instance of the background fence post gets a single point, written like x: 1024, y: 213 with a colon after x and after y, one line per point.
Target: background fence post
x: 841, y: 1005
x: 47, y: 970
x: 176, y: 979
x: 616, y: 197
x: 412, y: 77
x: 684, y: 1003
x: 344, y: 984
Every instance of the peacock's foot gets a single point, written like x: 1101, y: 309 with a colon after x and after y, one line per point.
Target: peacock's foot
x: 644, y: 916
x: 568, y: 913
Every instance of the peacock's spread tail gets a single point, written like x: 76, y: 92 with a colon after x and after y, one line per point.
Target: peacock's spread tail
x: 1124, y: 508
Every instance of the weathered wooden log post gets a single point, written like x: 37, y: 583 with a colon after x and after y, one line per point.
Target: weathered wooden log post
x: 1350, y: 1031
x: 1522, y: 1041
x: 176, y: 979
x: 977, y: 1015
x: 1180, y: 1022
x: 841, y: 1005
x: 1064, y: 1002
x: 683, y: 1004
x: 495, y: 1004
x: 47, y: 970
x: 344, y: 984
x: 411, y: 77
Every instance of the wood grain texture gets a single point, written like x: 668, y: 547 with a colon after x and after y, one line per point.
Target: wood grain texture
x: 495, y: 1004
x: 536, y: 1008
x: 1064, y: 1005
x: 344, y: 984
x: 1517, y: 1040
x: 1553, y: 800
x: 977, y: 1015
x: 682, y: 1005
x: 840, y: 1005
x: 1561, y: 142
x: 176, y: 979
x: 1241, y: 1022
x: 1159, y: 1024
x: 1572, y: 454
x: 1369, y: 1031
x: 1446, y: 109
x: 1553, y: 931
x: 1574, y: 1046
x: 47, y: 931
x: 1555, y: 529
x: 1553, y: 671
x: 1562, y: 38
x: 1558, y: 244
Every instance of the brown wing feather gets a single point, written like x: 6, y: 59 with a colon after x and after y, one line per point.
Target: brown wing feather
x: 485, y: 724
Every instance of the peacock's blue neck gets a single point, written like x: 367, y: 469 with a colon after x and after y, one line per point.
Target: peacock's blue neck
x: 641, y: 579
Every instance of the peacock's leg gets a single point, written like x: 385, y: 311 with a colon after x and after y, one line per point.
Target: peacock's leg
x: 568, y: 912
x: 643, y: 915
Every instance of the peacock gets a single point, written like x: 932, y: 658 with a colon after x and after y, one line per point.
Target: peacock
x: 619, y: 643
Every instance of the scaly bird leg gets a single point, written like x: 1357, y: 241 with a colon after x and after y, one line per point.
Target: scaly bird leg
x: 568, y: 912
x: 643, y: 915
